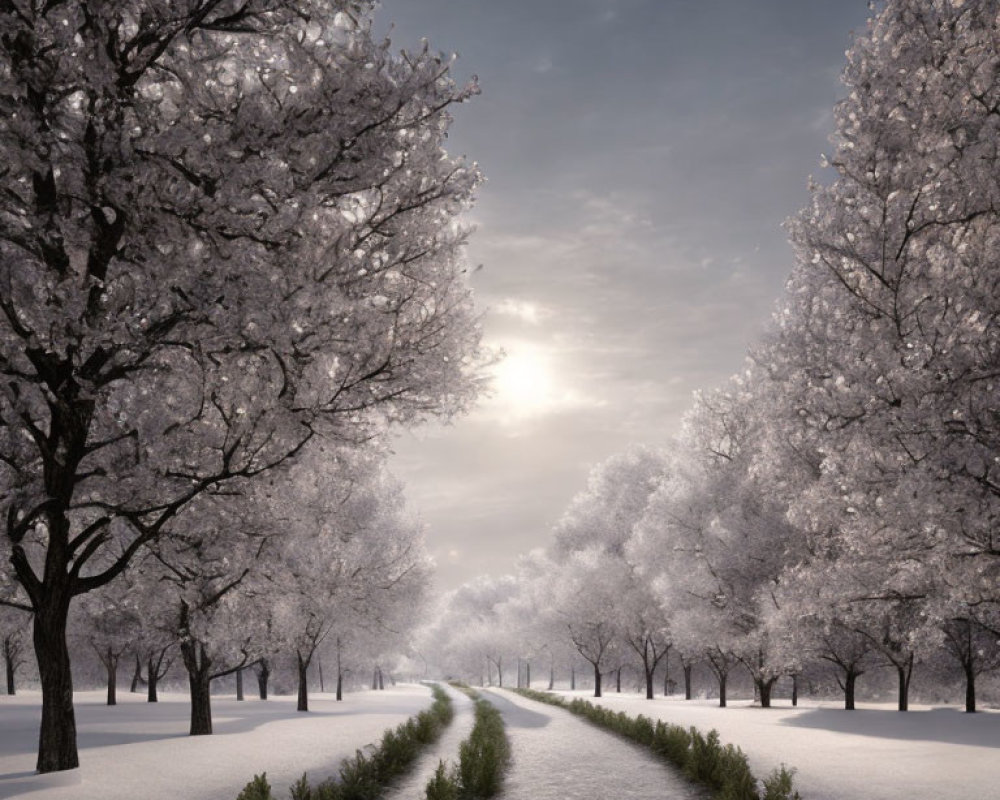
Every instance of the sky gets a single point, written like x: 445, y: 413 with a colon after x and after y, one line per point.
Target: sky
x: 640, y: 158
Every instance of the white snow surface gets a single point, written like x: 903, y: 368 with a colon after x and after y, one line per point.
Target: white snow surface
x: 872, y: 753
x: 142, y: 750
x: 557, y: 756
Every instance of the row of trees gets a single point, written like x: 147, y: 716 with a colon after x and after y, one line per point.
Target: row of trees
x: 839, y: 500
x: 227, y: 234
x: 326, y: 563
x: 321, y: 557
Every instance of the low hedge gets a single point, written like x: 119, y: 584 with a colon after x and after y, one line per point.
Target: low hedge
x: 482, y: 758
x: 366, y: 777
x: 702, y: 759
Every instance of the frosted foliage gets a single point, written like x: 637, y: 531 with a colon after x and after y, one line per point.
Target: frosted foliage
x: 348, y: 565
x: 887, y: 346
x: 715, y: 535
x: 470, y: 630
x: 223, y: 227
x: 615, y: 499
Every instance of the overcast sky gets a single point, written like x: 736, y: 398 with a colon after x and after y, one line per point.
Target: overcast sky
x: 640, y: 156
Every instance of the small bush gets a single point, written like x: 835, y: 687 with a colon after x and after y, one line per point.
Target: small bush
x: 778, y: 785
x: 257, y: 789
x: 443, y: 786
x: 366, y: 777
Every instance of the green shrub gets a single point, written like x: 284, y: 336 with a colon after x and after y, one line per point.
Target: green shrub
x: 702, y: 759
x: 366, y: 777
x: 257, y: 789
x: 778, y: 785
x: 443, y: 786
x: 483, y: 757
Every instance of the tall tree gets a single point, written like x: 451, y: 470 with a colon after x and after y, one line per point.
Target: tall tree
x: 890, y: 322
x: 224, y: 226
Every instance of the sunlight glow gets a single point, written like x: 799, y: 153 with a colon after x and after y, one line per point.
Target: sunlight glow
x: 523, y: 382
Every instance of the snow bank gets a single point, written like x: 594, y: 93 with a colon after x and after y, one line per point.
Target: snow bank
x: 873, y: 753
x: 142, y: 750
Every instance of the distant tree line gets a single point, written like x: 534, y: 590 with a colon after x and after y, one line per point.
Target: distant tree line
x: 838, y: 502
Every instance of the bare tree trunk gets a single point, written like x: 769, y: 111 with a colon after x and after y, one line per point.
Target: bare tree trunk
x: 795, y: 690
x: 552, y: 675
x: 239, y: 684
x: 303, y: 666
x: 11, y: 656
x: 57, y: 734
x: 723, y: 678
x: 263, y: 674
x: 381, y: 683
x: 340, y: 674
x: 319, y: 667
x: 111, y: 665
x: 201, y: 704
x: 649, y: 682
x: 153, y: 672
x: 764, y: 687
x: 198, y: 666
x: 850, y: 680
x: 9, y: 664
x: 904, y: 671
x: 970, y: 687
x: 618, y: 680
x: 527, y: 673
x: 572, y: 679
x: 136, y: 675
x: 687, y: 680
x: 597, y: 681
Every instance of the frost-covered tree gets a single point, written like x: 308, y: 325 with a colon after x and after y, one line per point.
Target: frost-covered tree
x: 14, y: 633
x: 224, y: 225
x: 606, y: 512
x: 469, y: 636
x: 890, y: 323
x: 583, y: 600
x: 718, y: 536
x: 106, y: 622
x: 210, y: 591
x: 603, y: 518
x: 976, y: 650
x: 348, y: 557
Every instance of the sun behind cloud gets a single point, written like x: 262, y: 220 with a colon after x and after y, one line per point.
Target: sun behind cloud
x: 529, y: 382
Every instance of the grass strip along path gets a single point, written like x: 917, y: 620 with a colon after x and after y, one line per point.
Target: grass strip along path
x: 483, y: 758
x: 702, y: 759
x: 367, y: 777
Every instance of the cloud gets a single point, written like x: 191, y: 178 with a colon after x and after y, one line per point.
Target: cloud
x: 524, y: 310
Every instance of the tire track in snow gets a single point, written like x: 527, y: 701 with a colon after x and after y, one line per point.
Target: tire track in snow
x: 557, y: 756
x: 413, y: 786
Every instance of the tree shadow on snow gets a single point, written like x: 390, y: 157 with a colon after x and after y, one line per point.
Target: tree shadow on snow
x: 946, y: 725
x: 17, y: 784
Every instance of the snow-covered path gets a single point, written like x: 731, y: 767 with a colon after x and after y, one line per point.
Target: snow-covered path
x: 874, y: 753
x: 557, y: 756
x: 141, y: 750
x: 414, y: 785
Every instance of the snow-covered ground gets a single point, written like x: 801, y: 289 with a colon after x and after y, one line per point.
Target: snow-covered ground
x: 556, y: 755
x: 873, y: 753
x: 141, y: 750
